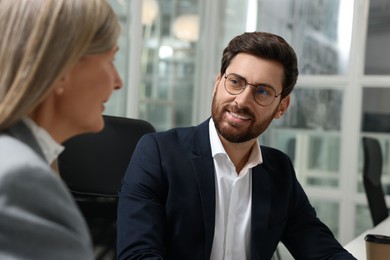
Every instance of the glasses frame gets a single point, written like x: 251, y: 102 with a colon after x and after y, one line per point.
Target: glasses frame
x: 244, y: 87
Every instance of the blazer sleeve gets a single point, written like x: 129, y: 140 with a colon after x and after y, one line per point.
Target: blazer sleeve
x: 305, y: 235
x: 141, y: 216
x: 38, y: 218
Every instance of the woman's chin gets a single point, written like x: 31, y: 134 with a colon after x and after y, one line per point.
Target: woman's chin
x: 94, y: 126
x: 99, y: 125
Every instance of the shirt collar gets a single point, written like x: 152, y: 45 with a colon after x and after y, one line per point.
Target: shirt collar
x: 50, y: 148
x: 217, y: 148
x: 215, y: 142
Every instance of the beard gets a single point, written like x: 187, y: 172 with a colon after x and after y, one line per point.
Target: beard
x: 237, y: 133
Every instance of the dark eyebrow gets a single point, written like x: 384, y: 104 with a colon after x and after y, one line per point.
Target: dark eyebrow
x: 256, y: 84
x: 266, y: 85
x: 238, y: 76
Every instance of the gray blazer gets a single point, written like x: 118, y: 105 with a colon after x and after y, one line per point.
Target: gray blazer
x: 38, y: 217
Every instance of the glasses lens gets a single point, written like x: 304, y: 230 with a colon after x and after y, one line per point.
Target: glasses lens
x: 264, y: 95
x: 234, y: 84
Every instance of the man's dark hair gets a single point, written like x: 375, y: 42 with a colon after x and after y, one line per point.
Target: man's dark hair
x: 267, y: 46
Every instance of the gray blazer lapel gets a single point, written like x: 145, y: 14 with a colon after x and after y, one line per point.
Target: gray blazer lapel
x: 21, y: 132
x: 204, y: 169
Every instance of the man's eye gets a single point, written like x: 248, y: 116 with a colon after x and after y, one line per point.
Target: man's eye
x: 235, y: 82
x: 263, y: 91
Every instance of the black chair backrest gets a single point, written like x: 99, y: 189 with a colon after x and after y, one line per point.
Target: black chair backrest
x: 372, y: 172
x: 92, y: 166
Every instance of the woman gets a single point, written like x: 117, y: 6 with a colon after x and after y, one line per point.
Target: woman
x: 56, y: 73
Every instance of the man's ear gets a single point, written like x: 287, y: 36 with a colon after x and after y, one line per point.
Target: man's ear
x: 217, y: 80
x: 282, y: 108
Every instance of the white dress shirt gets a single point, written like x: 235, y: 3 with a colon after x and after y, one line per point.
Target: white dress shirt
x: 50, y: 148
x: 232, y: 238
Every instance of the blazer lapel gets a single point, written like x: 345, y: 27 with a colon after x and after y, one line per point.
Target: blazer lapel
x: 204, y: 169
x: 21, y: 132
x: 261, y: 206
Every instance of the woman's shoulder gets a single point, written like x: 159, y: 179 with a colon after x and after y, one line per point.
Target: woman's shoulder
x: 23, y: 171
x: 16, y: 156
x: 14, y: 151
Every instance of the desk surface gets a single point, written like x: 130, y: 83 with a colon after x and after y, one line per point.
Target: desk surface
x: 357, y: 247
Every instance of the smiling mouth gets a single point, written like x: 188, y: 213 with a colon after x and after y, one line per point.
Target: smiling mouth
x: 239, y: 116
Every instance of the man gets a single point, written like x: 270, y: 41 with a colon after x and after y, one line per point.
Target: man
x: 210, y: 191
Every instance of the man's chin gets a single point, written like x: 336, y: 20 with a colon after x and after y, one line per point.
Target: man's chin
x: 235, y: 137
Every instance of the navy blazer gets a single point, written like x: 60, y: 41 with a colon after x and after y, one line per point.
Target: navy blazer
x: 167, y: 203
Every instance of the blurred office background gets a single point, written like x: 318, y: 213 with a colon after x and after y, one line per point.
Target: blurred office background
x: 169, y: 56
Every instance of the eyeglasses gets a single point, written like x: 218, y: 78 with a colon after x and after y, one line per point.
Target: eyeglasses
x: 264, y: 95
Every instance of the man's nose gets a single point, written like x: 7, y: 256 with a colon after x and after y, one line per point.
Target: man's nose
x: 245, y: 96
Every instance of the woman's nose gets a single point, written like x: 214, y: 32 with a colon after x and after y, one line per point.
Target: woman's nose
x: 118, y: 81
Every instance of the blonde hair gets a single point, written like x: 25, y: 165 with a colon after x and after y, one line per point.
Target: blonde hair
x: 40, y: 41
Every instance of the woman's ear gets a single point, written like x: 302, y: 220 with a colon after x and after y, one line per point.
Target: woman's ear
x: 59, y: 90
x: 60, y: 84
x: 282, y: 108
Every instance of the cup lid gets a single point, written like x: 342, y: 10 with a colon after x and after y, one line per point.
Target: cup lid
x: 375, y: 238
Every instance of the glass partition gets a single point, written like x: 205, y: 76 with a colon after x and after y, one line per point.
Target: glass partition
x: 310, y: 134
x: 363, y: 219
x: 376, y: 123
x: 320, y: 31
x: 378, y: 37
x: 316, y: 108
x: 376, y: 110
x: 117, y: 103
x: 170, y: 35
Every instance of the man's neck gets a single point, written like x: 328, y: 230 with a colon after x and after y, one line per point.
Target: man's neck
x: 238, y: 152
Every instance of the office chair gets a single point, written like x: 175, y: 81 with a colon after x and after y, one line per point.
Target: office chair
x: 92, y: 166
x: 372, y: 172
